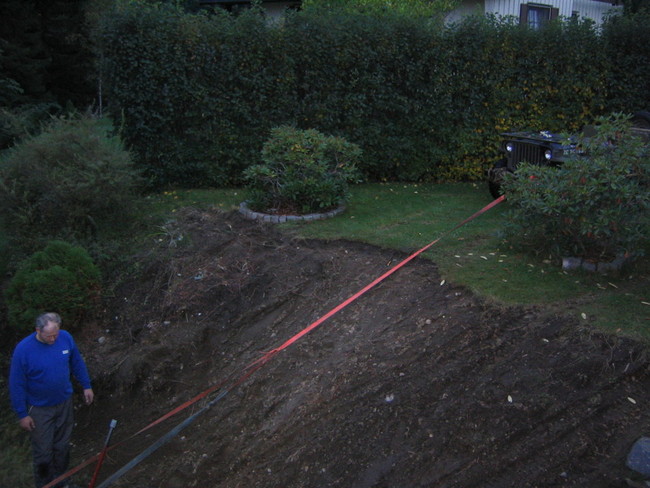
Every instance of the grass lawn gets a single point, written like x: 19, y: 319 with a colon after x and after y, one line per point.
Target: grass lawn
x: 409, y: 216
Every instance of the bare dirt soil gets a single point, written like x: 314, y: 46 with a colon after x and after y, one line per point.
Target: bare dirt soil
x: 416, y: 384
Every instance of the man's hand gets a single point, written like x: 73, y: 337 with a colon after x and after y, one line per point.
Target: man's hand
x: 27, y: 423
x: 89, y: 395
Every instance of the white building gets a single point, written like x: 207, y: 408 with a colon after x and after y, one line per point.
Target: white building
x: 536, y: 13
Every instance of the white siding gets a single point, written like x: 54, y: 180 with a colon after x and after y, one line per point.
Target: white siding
x: 591, y: 9
x: 509, y: 7
x: 502, y: 7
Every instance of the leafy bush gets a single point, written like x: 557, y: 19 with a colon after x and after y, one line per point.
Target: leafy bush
x: 61, y: 277
x: 304, y: 171
x: 595, y: 206
x: 71, y: 181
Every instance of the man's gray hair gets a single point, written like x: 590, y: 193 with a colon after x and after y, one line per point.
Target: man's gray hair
x: 46, y: 318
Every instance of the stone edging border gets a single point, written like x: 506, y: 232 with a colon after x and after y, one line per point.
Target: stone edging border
x: 615, y: 266
x: 277, y: 219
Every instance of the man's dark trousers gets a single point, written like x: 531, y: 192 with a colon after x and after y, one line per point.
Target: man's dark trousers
x: 51, y: 441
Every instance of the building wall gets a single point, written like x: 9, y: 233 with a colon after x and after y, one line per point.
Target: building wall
x: 509, y: 7
x: 592, y: 9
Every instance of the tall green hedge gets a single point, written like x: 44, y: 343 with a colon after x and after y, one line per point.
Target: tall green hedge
x: 512, y: 78
x: 199, y: 94
x: 628, y: 52
x: 377, y: 84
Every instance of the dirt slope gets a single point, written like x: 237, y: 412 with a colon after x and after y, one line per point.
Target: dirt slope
x: 416, y: 384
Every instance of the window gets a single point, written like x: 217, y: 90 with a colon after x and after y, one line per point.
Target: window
x: 536, y: 16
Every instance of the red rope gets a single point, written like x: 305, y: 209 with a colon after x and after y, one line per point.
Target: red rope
x: 354, y: 297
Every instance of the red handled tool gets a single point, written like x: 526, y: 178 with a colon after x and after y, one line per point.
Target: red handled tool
x: 102, y: 455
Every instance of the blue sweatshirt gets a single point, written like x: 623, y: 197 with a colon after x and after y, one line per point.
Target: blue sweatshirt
x: 40, y: 373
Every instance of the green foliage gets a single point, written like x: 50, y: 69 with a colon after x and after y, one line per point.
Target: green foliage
x: 376, y: 83
x: 73, y: 180
x: 594, y: 206
x: 633, y: 7
x: 412, y: 8
x: 426, y: 102
x: 551, y: 79
x: 61, y: 277
x: 628, y: 80
x: 196, y: 92
x: 303, y: 172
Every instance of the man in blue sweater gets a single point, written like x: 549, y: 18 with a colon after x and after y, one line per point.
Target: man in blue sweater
x: 41, y: 393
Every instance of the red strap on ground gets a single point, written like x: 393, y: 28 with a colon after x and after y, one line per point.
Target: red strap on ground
x: 308, y: 329
x: 257, y: 364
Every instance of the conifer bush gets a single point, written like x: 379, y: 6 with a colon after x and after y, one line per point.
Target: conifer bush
x: 72, y: 181
x: 61, y: 277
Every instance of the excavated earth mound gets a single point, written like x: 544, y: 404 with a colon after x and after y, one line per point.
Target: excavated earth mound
x: 418, y: 383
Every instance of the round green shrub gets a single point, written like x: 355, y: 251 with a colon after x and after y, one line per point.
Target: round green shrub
x: 594, y: 206
x: 61, y: 278
x: 303, y: 171
x: 73, y: 181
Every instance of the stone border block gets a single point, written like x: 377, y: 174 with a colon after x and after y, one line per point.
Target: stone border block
x: 278, y: 219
